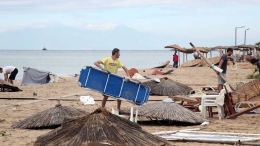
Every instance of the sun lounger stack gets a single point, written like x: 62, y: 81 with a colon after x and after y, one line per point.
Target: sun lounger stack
x: 113, y: 85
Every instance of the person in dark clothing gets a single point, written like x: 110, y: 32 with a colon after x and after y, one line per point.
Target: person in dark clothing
x: 223, y: 65
x: 256, y: 62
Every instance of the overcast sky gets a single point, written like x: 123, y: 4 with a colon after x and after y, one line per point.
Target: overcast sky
x: 183, y: 18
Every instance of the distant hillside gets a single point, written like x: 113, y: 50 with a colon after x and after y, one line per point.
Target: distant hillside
x: 68, y: 38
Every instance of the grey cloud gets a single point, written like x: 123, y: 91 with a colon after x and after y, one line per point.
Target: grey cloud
x: 91, y: 5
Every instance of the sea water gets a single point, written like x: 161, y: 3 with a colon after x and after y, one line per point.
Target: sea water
x: 70, y: 62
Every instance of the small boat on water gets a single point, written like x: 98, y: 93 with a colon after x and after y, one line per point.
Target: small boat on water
x: 44, y: 49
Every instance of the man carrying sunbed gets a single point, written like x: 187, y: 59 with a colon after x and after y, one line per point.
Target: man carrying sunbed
x: 111, y: 64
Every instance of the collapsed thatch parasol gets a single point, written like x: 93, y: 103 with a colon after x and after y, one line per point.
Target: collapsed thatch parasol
x: 250, y: 90
x: 162, y: 66
x: 191, y: 63
x: 176, y: 47
x: 167, y: 87
x: 99, y: 126
x: 202, y: 50
x: 52, y: 117
x: 170, y: 111
x: 6, y: 85
x: 213, y: 60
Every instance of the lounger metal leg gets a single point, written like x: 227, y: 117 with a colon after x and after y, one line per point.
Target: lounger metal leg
x: 132, y: 114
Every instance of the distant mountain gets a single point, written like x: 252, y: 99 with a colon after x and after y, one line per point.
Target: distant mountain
x: 69, y: 38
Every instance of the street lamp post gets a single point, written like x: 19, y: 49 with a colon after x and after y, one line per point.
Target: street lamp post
x: 237, y: 52
x: 236, y: 34
x: 245, y: 36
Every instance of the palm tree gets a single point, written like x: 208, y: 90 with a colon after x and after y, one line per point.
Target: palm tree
x: 257, y: 44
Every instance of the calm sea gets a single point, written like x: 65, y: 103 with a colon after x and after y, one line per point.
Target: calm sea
x: 70, y: 62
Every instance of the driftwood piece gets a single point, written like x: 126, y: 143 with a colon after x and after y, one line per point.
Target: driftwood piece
x: 162, y: 66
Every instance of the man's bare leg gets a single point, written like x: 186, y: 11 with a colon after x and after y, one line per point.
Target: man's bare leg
x: 104, y: 101
x: 10, y: 81
x: 118, y: 104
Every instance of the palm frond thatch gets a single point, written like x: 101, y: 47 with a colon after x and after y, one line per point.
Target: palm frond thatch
x: 167, y: 87
x: 191, y: 63
x: 6, y: 85
x: 248, y: 91
x: 99, y: 126
x: 170, y: 112
x: 49, y: 118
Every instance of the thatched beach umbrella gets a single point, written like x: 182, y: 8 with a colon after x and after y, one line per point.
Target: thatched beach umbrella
x: 52, y: 117
x: 167, y: 87
x: 100, y: 126
x: 176, y: 47
x: 169, y: 111
x: 250, y: 91
x: 202, y: 50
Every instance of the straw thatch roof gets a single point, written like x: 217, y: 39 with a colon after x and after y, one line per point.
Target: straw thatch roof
x: 100, y: 126
x: 225, y: 47
x: 247, y: 46
x: 202, y: 50
x: 176, y: 47
x: 167, y: 87
x: 169, y: 111
x: 6, y: 85
x: 49, y: 118
x: 250, y: 90
x: 191, y: 63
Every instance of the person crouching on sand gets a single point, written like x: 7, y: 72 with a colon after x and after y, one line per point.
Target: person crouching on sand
x: 111, y: 64
x: 9, y: 70
x: 256, y: 62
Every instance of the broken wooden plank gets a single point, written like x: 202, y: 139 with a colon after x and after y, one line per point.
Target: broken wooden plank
x: 20, y: 103
x: 19, y: 98
x: 242, y: 112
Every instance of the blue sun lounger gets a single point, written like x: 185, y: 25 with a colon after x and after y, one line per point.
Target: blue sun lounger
x: 113, y: 85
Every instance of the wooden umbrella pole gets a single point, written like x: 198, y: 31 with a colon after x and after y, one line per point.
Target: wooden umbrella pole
x: 211, y: 66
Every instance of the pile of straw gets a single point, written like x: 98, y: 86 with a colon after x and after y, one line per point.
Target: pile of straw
x: 49, y: 118
x: 100, y: 126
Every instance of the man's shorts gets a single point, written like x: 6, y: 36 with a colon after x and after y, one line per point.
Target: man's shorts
x: 220, y: 81
x: 13, y: 74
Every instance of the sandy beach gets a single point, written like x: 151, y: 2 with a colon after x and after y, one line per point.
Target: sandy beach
x: 67, y: 89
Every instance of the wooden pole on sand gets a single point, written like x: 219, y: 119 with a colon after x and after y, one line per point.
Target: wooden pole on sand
x: 211, y: 66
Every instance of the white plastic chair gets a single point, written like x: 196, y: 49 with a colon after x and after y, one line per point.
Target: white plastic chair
x: 209, y: 101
